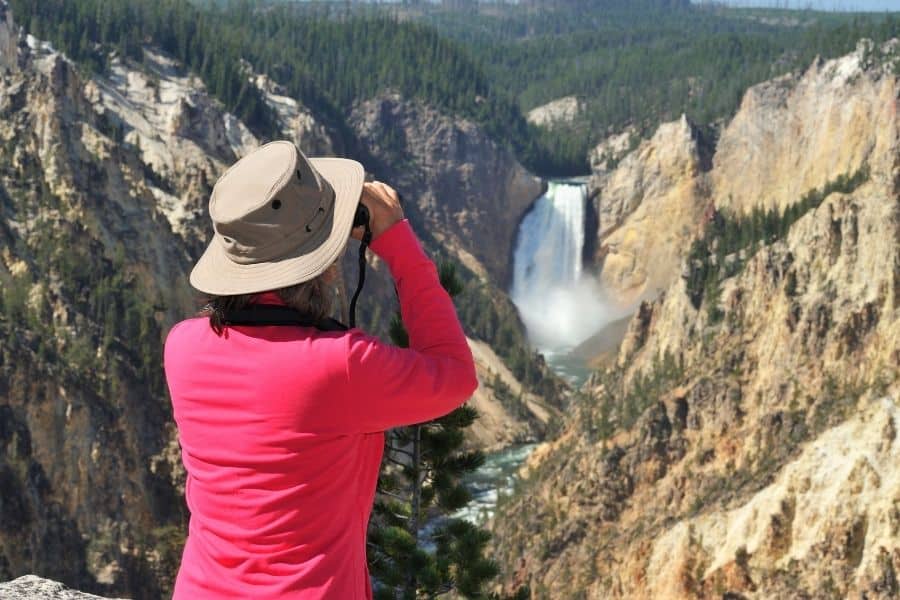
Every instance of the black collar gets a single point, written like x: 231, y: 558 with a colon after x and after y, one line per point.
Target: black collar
x: 273, y: 314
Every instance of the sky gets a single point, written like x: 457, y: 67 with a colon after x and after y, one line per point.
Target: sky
x: 842, y: 5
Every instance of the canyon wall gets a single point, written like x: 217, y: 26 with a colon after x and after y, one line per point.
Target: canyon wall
x: 648, y: 200
x: 791, y: 135
x: 745, y: 446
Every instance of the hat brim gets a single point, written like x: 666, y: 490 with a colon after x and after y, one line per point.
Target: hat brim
x: 218, y: 275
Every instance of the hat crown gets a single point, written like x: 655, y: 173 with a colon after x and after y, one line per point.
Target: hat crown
x: 269, y: 203
x: 280, y: 219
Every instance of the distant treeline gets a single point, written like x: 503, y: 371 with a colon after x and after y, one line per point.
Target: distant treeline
x: 644, y: 63
x: 632, y: 63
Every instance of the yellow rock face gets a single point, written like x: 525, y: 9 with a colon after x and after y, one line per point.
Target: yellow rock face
x: 793, y: 135
x: 790, y: 136
x: 647, y: 207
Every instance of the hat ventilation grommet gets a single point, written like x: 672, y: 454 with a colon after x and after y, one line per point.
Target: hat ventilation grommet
x: 276, y: 203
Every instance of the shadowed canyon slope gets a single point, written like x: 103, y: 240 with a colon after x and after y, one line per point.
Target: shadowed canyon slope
x: 745, y: 445
x: 104, y: 182
x: 471, y: 192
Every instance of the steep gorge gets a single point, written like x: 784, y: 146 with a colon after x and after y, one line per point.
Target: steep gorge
x: 745, y: 447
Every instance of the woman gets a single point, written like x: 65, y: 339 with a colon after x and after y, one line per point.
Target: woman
x: 281, y: 427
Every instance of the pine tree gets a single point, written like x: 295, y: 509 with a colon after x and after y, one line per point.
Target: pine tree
x: 421, y: 480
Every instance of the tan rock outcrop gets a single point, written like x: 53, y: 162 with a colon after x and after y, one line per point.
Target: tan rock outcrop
x: 559, y: 111
x: 827, y: 521
x: 794, y: 133
x: 647, y: 207
x: 185, y: 137
x: 605, y: 156
x: 790, y: 135
x: 298, y: 123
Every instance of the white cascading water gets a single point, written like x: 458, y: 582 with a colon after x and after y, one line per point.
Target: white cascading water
x: 559, y: 305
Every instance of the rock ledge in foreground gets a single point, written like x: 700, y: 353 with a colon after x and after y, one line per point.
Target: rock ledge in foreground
x: 32, y: 587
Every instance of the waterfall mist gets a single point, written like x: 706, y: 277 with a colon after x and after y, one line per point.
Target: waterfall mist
x: 560, y: 305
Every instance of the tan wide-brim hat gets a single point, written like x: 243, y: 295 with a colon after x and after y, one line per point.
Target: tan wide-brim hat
x: 280, y: 218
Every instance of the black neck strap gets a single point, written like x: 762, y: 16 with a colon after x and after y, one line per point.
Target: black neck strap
x: 274, y: 314
x: 363, y: 244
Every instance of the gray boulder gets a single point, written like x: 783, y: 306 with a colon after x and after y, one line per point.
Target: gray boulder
x: 32, y: 587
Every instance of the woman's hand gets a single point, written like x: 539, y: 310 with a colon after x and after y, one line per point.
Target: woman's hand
x: 383, y: 203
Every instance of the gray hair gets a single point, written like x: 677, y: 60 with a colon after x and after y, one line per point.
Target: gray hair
x: 314, y: 299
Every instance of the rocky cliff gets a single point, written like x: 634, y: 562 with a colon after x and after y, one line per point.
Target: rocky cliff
x: 559, y: 111
x: 745, y: 444
x: 87, y: 268
x: 104, y: 181
x: 649, y: 199
x: 796, y: 132
x: 470, y: 194
x: 791, y: 135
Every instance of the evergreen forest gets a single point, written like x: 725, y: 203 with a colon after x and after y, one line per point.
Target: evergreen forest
x: 629, y: 63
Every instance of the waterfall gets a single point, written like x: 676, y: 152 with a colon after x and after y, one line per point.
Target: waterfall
x: 551, y: 238
x: 560, y: 306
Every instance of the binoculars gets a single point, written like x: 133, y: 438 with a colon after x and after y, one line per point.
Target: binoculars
x: 361, y: 218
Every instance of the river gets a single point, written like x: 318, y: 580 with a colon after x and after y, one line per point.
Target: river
x: 547, y: 271
x: 497, y: 475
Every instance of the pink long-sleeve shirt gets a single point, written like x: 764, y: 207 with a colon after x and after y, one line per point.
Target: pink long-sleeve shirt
x: 281, y: 432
